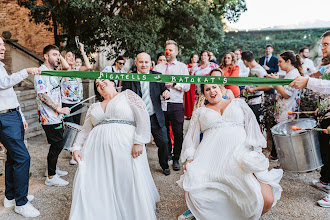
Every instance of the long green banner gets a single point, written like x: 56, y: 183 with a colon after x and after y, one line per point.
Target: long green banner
x: 169, y: 78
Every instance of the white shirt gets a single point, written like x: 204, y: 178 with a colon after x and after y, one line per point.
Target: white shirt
x: 112, y: 69
x: 8, y: 98
x: 177, y: 91
x: 308, y: 66
x: 51, y: 86
x: 267, y: 58
x: 151, y: 111
x: 319, y: 85
x: 243, y: 70
x: 260, y: 72
x: 283, y: 105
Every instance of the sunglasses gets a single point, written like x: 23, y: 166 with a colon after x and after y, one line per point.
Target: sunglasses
x: 120, y: 63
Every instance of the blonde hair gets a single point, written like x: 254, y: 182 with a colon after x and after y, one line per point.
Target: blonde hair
x: 173, y: 43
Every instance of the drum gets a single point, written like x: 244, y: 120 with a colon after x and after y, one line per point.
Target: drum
x: 70, y: 134
x: 298, y: 151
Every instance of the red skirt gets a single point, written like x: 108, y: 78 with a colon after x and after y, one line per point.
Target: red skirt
x: 189, y: 101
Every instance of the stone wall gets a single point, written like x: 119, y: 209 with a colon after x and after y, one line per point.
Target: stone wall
x: 15, y: 19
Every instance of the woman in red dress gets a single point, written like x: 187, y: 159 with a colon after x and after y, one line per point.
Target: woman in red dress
x: 229, y: 68
x: 189, y: 97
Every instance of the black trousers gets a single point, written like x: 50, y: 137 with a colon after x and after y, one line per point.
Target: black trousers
x: 54, y: 134
x: 175, y: 116
x: 18, y: 158
x: 160, y: 136
x: 325, y: 152
x: 257, y: 111
x: 76, y: 118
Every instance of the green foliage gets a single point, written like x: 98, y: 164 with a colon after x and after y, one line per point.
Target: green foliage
x: 133, y: 26
x: 282, y: 40
x: 308, y: 102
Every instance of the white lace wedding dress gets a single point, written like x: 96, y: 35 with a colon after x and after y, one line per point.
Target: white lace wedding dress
x: 219, y: 183
x: 109, y: 183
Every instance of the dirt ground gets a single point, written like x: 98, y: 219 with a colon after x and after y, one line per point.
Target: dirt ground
x: 298, y: 199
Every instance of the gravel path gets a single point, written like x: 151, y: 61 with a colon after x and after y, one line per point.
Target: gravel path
x: 298, y: 198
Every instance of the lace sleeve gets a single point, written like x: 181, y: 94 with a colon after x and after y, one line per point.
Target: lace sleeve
x: 192, y: 138
x: 83, y: 134
x: 254, y: 136
x: 141, y: 116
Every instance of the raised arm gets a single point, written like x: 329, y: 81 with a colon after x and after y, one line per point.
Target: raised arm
x: 8, y: 81
x: 87, y: 66
x: 64, y: 63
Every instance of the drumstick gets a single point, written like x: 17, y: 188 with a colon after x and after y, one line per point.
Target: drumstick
x: 295, y: 128
x: 82, y: 101
x: 307, y: 112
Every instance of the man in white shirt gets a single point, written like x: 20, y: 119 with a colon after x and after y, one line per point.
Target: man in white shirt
x: 118, y: 67
x: 50, y: 114
x: 243, y: 69
x: 174, y: 114
x: 317, y: 85
x: 12, y: 137
x: 308, y: 64
x: 323, y: 86
x: 257, y: 70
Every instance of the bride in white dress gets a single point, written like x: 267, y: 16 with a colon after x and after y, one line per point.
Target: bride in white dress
x: 226, y: 174
x: 113, y: 180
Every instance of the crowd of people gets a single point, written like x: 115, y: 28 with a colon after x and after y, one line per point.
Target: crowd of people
x: 226, y: 174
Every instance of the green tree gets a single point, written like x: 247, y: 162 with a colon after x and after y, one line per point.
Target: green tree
x: 132, y: 26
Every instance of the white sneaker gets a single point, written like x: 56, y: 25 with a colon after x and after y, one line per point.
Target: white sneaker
x: 58, y: 172
x: 27, y: 210
x: 325, y: 202
x: 317, y: 184
x: 56, y: 181
x: 72, y: 161
x: 10, y: 203
x: 187, y: 215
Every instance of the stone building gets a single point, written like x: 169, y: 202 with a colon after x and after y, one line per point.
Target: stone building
x: 16, y: 20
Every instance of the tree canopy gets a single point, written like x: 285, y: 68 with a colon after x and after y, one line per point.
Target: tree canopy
x: 131, y: 26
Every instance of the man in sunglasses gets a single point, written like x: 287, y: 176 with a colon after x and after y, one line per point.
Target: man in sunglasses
x: 118, y: 67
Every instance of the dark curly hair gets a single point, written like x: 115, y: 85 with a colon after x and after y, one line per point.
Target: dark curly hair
x: 98, y: 95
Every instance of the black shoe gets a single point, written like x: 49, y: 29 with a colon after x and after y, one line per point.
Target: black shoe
x: 167, y: 171
x: 176, y: 165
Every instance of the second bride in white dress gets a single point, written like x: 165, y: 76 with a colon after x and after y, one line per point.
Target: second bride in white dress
x: 226, y: 174
x: 113, y: 180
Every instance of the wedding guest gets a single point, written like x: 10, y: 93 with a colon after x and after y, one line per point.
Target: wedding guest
x: 161, y: 58
x: 12, y: 128
x: 230, y: 69
x: 72, y: 88
x: 151, y: 93
x: 287, y: 98
x: 243, y: 70
x: 50, y: 113
x: 189, y: 96
x: 174, y: 114
x: 202, y: 69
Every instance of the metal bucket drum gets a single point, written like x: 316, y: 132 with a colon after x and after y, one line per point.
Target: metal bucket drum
x: 70, y: 134
x: 298, y: 151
